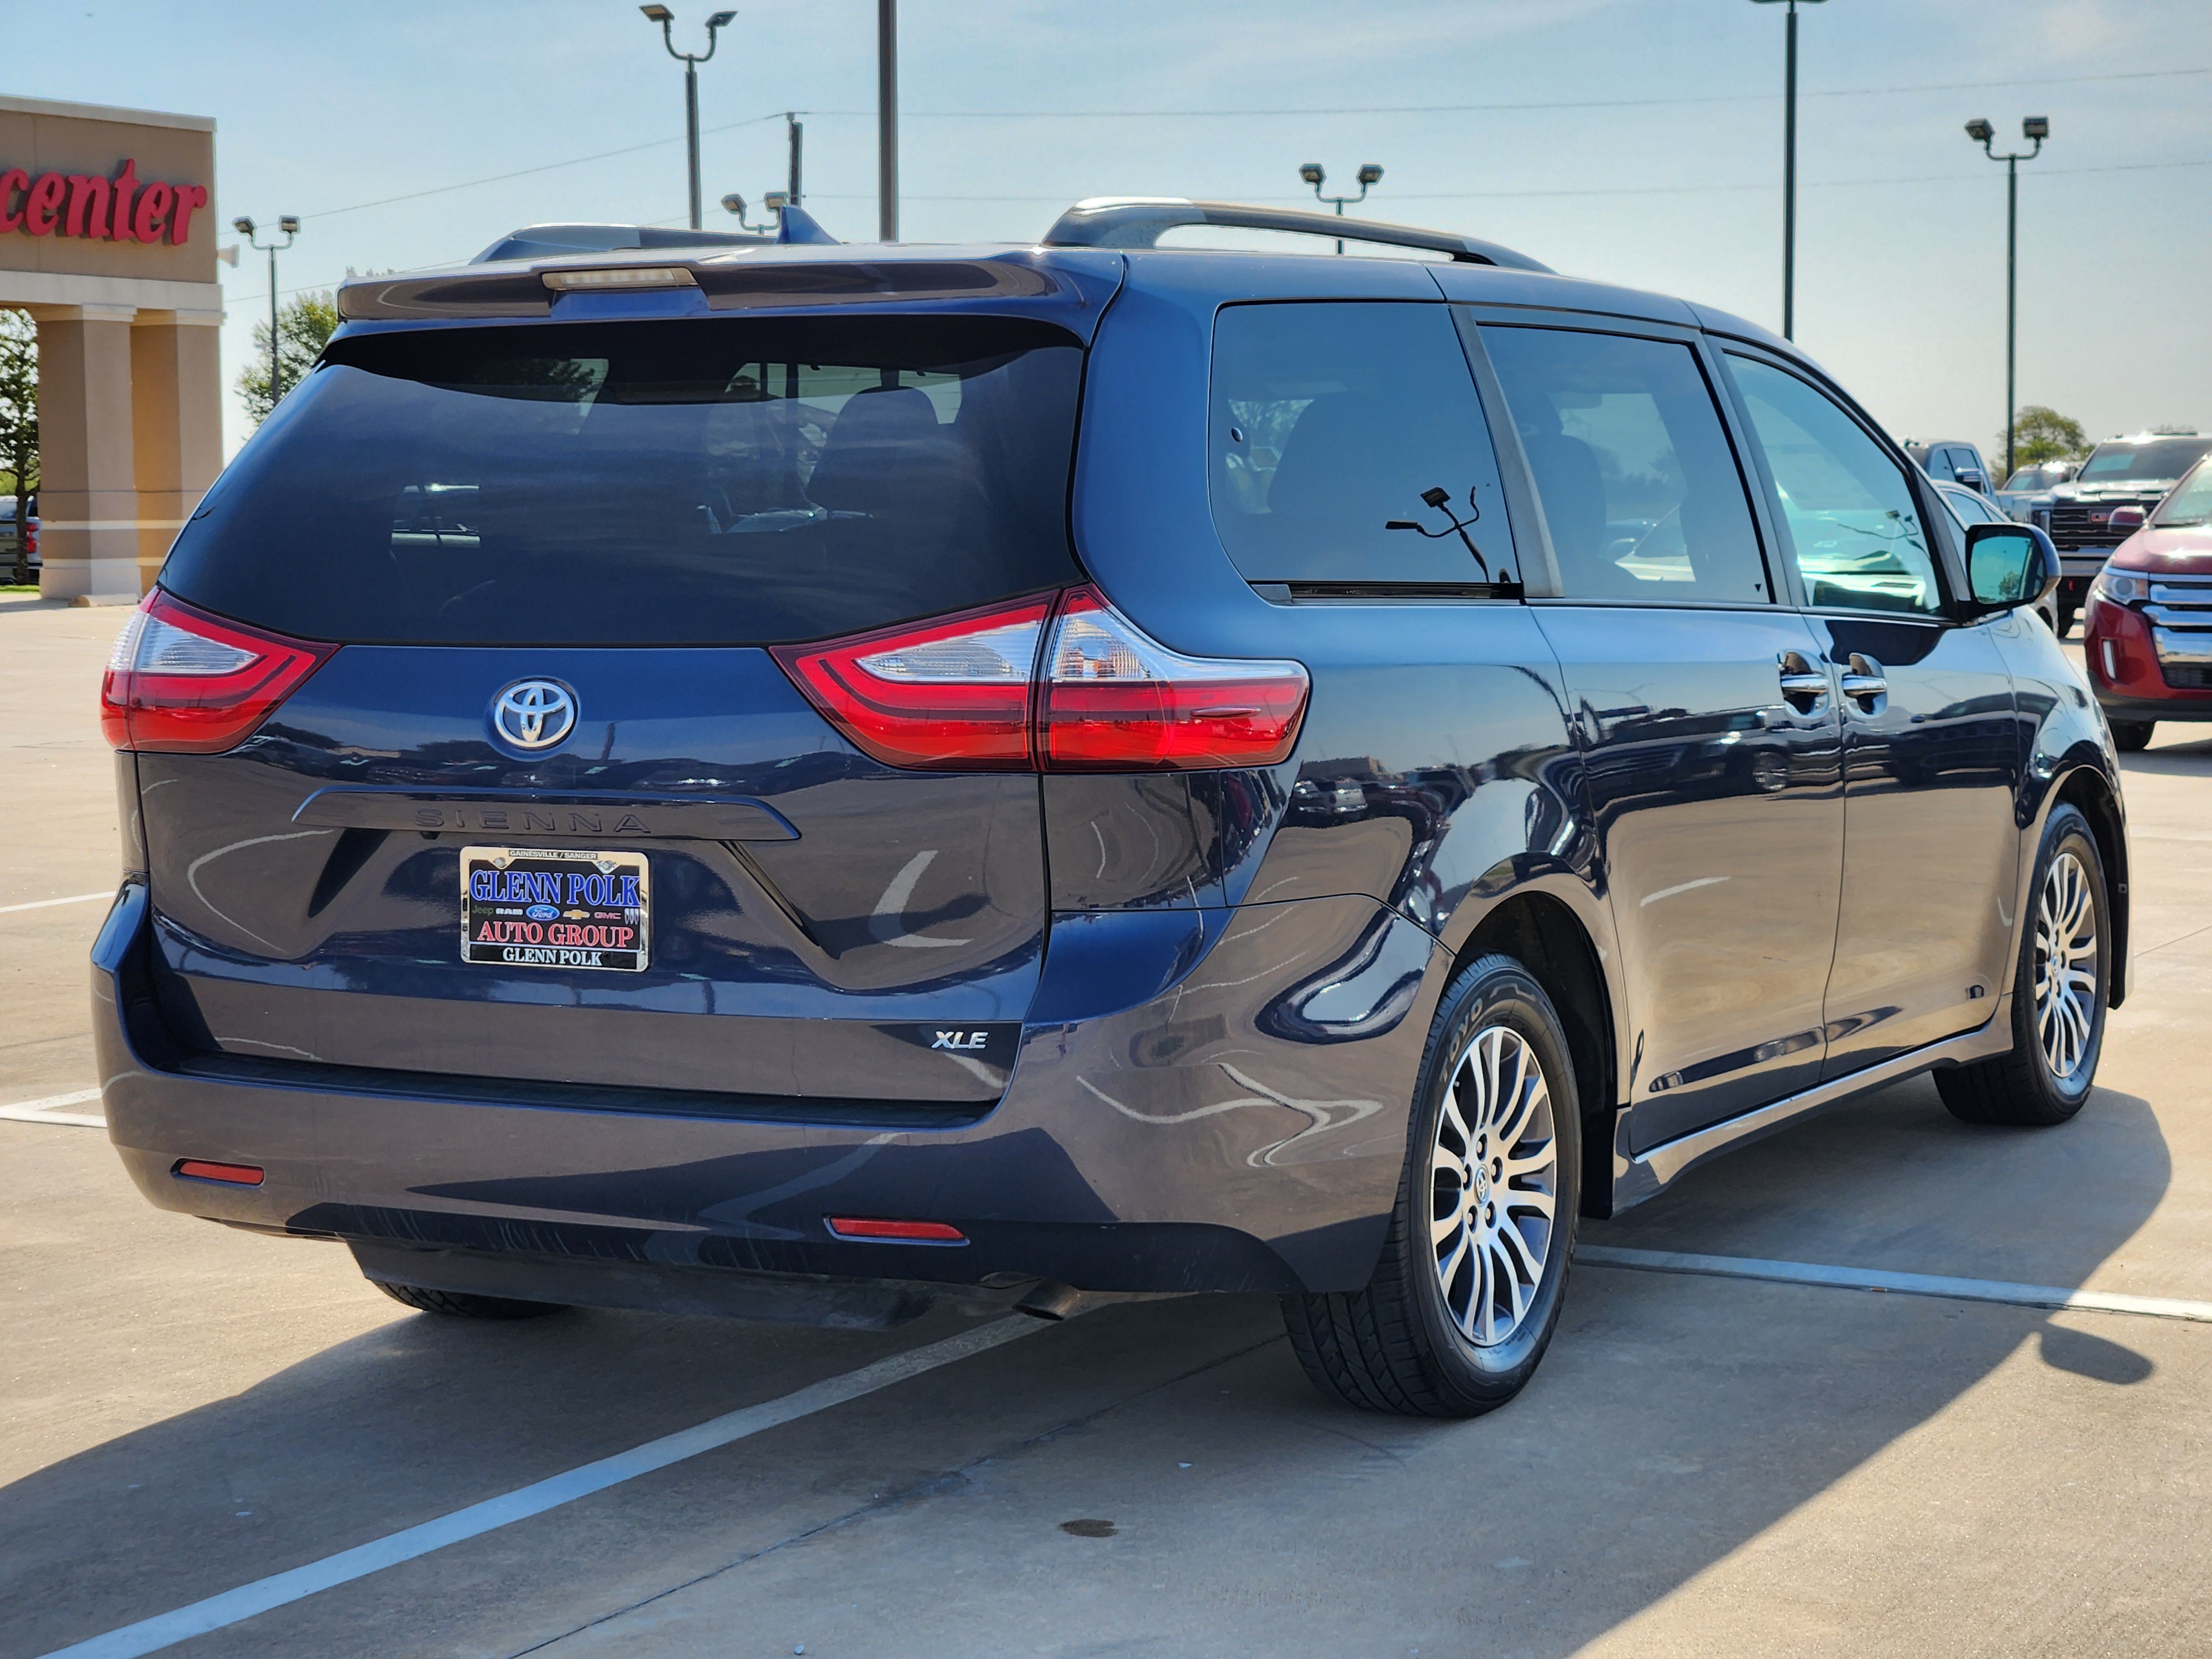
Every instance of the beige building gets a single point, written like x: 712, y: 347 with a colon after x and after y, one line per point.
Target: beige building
x: 107, y: 237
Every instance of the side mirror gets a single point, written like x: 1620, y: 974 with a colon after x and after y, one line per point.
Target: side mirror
x: 2127, y: 518
x: 1974, y: 480
x: 2009, y: 565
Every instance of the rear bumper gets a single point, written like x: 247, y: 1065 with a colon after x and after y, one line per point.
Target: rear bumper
x: 1203, y: 1101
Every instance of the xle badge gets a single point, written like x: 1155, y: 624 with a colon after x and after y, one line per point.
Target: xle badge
x: 961, y: 1040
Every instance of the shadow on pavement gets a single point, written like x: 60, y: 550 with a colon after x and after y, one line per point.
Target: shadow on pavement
x: 1675, y: 1419
x: 2171, y: 759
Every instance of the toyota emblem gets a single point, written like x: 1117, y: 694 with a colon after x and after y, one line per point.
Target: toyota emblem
x: 534, y: 714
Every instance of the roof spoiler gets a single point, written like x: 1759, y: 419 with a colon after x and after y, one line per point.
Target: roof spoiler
x: 563, y: 242
x: 1138, y: 222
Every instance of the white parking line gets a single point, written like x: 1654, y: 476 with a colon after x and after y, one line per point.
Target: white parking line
x: 48, y: 904
x: 1873, y: 1278
x: 50, y: 1109
x: 231, y: 1606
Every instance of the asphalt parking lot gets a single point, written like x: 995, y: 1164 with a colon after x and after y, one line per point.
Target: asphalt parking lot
x: 1707, y: 1464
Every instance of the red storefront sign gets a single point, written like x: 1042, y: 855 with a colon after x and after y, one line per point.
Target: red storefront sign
x: 98, y: 208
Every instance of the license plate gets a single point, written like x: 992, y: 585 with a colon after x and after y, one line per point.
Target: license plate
x: 523, y: 907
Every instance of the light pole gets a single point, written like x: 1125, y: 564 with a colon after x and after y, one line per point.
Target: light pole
x: 691, y: 61
x: 2036, y: 128
x: 775, y: 201
x: 288, y: 225
x: 887, y: 119
x: 1789, y: 166
x: 1315, y: 175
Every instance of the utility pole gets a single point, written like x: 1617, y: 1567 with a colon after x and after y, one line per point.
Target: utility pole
x: 1789, y: 166
x: 2036, y: 128
x: 691, y: 61
x: 289, y: 226
x: 1314, y: 174
x: 775, y: 200
x: 887, y: 120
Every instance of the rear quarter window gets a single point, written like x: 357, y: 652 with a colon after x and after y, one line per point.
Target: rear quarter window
x: 1332, y: 420
x: 722, y: 482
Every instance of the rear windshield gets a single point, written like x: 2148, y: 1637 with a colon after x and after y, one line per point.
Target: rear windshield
x: 711, y: 481
x: 2151, y: 462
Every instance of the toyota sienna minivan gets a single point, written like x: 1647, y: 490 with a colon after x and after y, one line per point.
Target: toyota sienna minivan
x: 806, y: 782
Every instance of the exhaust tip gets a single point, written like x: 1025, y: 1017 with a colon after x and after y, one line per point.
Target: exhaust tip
x: 1051, y: 1300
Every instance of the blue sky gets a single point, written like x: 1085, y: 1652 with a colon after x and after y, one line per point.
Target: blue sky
x: 1634, y: 140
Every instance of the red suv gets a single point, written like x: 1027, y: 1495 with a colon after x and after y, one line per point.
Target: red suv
x: 2149, y: 636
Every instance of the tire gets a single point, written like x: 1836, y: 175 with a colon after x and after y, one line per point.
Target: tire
x: 464, y: 1304
x: 2066, y: 614
x: 2029, y: 1087
x: 2129, y: 736
x: 1412, y: 1342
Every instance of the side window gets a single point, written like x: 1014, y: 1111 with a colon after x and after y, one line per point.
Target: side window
x: 1345, y: 441
x: 1856, y: 535
x: 1640, y: 488
x: 1939, y: 466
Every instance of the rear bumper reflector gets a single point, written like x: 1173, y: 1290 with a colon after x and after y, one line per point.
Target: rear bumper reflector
x: 235, y: 1175
x: 894, y: 1232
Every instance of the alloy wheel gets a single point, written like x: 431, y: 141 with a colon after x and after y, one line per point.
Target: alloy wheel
x: 1493, y: 1185
x: 2065, y: 967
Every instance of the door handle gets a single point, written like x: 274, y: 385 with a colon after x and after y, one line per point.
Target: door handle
x: 1804, y: 687
x: 1866, y: 684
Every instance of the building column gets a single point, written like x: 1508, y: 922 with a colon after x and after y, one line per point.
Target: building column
x: 176, y: 422
x: 87, y: 481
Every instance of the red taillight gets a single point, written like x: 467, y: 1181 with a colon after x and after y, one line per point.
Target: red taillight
x: 181, y: 681
x: 233, y: 1174
x: 1117, y: 701
x: 951, y: 693
x: 970, y: 692
x: 904, y: 1232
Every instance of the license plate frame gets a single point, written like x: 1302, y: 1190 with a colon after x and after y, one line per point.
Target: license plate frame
x: 558, y: 908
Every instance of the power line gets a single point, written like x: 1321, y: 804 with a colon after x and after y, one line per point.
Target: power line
x: 1608, y: 190
x: 1487, y: 109
x: 548, y: 167
x: 1450, y: 195
x: 1208, y: 115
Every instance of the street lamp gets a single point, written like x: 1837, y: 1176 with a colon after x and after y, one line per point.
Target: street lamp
x: 775, y: 201
x: 1315, y: 175
x: 1789, y: 166
x: 691, y: 61
x: 288, y: 225
x: 2036, y: 128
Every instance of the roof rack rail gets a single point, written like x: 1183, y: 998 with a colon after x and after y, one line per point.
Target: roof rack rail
x: 1138, y: 221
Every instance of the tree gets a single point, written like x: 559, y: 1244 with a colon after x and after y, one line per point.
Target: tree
x: 2044, y: 435
x: 306, y: 324
x: 19, y: 422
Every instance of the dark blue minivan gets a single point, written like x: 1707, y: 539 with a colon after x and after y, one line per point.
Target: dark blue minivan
x: 804, y: 781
